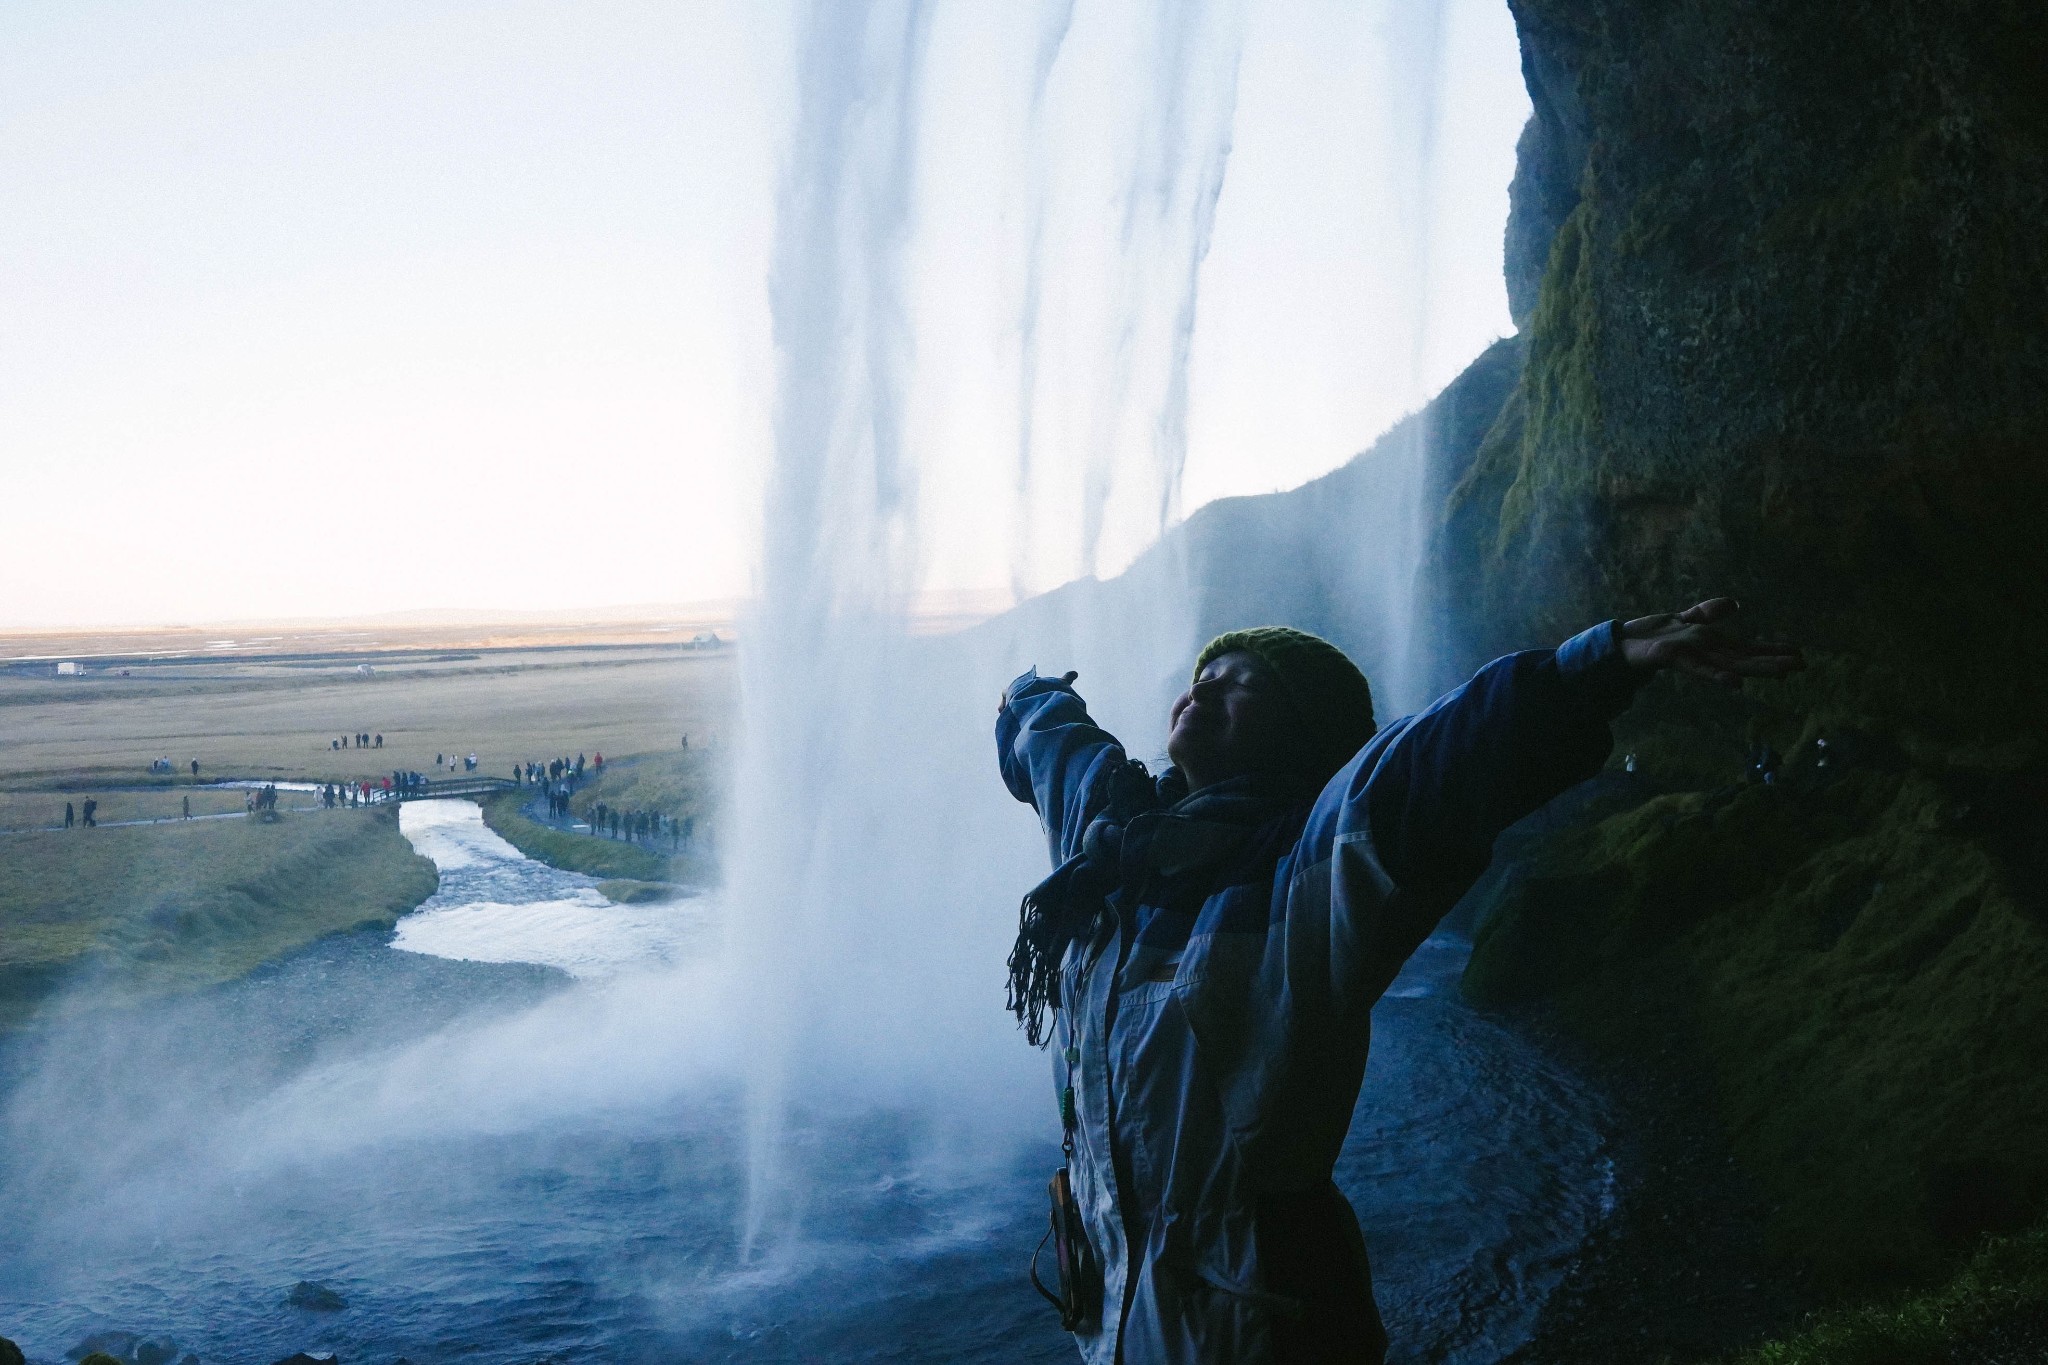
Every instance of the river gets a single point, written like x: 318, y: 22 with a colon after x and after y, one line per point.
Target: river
x: 507, y: 1132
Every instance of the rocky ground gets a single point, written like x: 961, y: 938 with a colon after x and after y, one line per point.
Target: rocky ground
x: 1676, y: 1272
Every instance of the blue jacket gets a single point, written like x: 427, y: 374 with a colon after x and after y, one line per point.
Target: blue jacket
x: 1216, y: 1040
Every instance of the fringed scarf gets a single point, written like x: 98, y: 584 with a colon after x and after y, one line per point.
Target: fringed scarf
x: 1199, y: 845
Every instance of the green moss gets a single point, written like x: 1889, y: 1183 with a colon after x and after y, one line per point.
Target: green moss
x: 1562, y: 414
x: 1850, y: 956
x: 2006, y: 1281
x: 624, y: 891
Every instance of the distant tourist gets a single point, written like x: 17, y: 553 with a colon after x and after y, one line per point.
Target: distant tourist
x: 379, y: 742
x: 87, y: 813
x: 68, y: 815
x: 195, y: 770
x: 188, y: 808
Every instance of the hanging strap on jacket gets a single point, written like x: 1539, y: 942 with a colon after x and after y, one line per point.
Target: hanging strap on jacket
x: 1079, y: 1299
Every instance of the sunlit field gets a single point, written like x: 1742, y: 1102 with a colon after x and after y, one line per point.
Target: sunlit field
x: 180, y: 886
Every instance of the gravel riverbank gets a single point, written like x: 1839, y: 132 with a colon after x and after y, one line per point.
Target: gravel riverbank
x: 1677, y: 1271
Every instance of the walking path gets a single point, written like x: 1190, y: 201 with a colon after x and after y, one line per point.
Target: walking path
x: 452, y: 786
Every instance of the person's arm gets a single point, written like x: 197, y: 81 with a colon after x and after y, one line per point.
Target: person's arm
x: 1441, y: 786
x: 1428, y: 796
x: 1054, y: 757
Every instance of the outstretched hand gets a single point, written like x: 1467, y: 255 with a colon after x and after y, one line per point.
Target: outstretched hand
x: 1004, y: 700
x: 1702, y: 640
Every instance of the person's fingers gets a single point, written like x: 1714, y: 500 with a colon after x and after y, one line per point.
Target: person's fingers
x: 1645, y: 627
x: 1709, y: 611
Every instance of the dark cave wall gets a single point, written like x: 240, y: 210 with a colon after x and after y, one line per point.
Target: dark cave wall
x: 1788, y: 339
x: 1782, y: 278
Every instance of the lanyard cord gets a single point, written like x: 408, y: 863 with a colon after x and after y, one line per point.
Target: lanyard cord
x: 1067, y: 1106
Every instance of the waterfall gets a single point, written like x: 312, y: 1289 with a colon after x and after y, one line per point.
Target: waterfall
x: 873, y: 879
x: 828, y: 649
x: 839, y: 533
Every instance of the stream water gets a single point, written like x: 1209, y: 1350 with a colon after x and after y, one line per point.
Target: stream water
x: 476, y: 1131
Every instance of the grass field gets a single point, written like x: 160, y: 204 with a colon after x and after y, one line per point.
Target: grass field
x: 125, y: 913
x: 114, y: 916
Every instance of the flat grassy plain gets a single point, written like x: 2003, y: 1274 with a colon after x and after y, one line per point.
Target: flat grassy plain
x: 276, y: 718
x: 117, y: 915
x: 113, y: 917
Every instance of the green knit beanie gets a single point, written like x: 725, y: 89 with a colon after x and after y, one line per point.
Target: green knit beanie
x: 1332, y: 696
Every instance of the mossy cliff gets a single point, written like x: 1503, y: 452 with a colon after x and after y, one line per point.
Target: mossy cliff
x: 1789, y: 340
x: 1782, y: 279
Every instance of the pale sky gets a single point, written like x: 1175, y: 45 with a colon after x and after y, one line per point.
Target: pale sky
x: 331, y: 308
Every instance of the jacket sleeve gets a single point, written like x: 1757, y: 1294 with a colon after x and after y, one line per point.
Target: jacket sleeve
x: 1442, y: 786
x: 1408, y: 825
x: 1055, y: 758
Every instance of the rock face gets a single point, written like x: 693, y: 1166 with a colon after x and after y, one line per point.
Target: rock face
x: 1784, y: 287
x: 1783, y: 284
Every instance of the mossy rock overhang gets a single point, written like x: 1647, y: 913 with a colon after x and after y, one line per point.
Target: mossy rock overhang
x: 1790, y: 342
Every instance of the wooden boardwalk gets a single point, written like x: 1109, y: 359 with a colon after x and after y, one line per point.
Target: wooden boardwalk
x: 450, y: 786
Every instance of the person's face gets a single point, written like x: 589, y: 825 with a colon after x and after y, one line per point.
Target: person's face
x: 1235, y: 719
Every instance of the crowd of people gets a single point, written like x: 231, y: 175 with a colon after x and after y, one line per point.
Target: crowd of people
x: 362, y: 739
x: 569, y: 770
x: 559, y: 780
x: 364, y: 791
x: 641, y: 826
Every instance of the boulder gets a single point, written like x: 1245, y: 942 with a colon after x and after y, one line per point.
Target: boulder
x: 315, y: 1298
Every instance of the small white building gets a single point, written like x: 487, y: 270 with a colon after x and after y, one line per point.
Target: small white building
x: 70, y: 668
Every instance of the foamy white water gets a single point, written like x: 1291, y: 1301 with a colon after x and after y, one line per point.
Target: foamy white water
x: 497, y: 905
